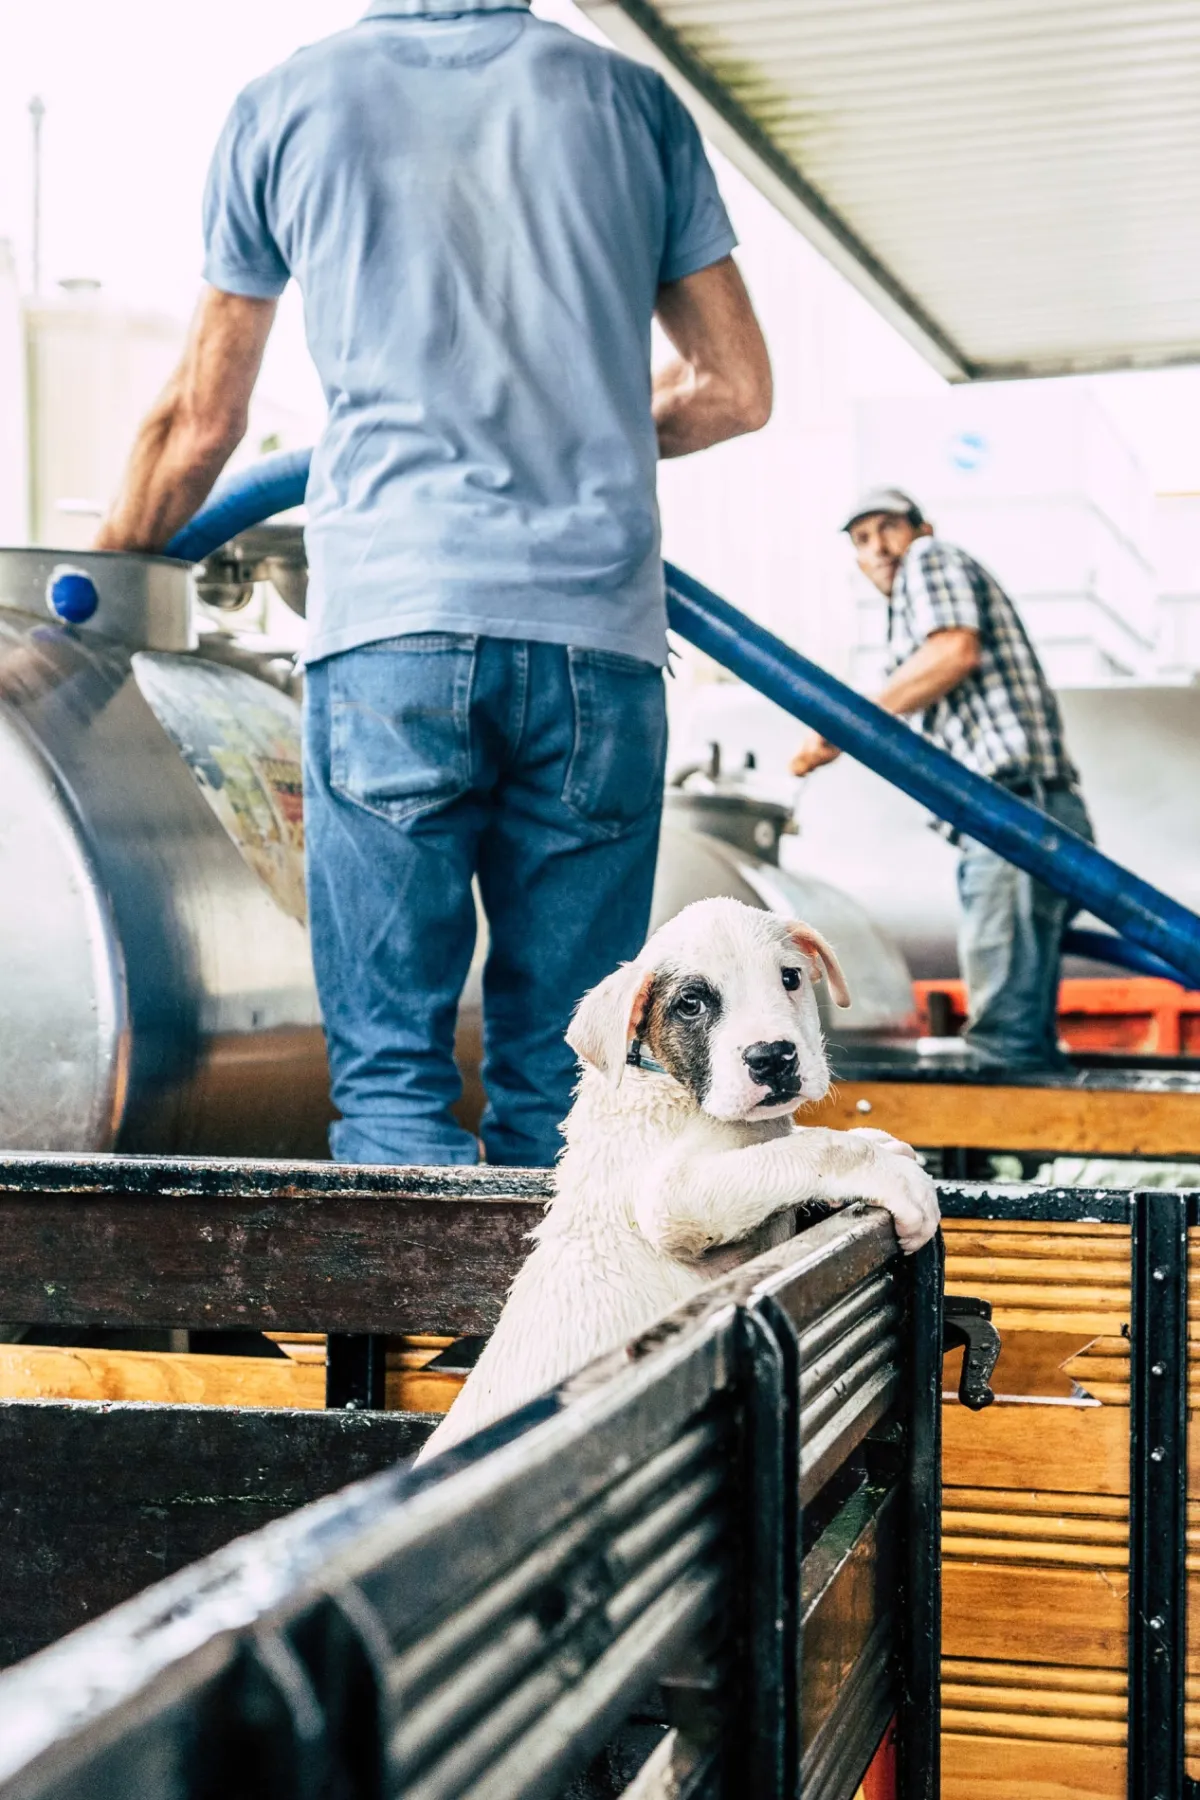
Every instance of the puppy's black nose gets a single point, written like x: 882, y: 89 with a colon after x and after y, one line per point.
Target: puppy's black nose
x: 771, y: 1063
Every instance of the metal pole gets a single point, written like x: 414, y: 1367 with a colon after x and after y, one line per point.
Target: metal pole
x: 769, y: 1754
x: 1158, y: 1496
x: 1017, y: 831
x: 919, y: 1733
x: 37, y: 112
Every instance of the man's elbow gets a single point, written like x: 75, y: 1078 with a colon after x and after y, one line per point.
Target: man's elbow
x: 969, y: 654
x: 196, y: 429
x: 958, y: 651
x: 754, y: 402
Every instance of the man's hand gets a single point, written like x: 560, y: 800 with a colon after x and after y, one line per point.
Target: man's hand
x: 719, y: 386
x: 943, y: 660
x: 813, y: 753
x: 194, y: 428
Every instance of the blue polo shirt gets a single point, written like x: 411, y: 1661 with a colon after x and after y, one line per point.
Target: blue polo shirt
x: 479, y: 208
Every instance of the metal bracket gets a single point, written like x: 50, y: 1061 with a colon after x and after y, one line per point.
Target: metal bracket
x: 968, y: 1321
x: 458, y: 1358
x: 356, y: 1371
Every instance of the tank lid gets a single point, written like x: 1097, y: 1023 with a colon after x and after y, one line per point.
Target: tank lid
x: 728, y: 802
x: 751, y: 824
x: 139, y: 600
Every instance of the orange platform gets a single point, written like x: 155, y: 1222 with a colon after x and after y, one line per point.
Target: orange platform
x: 1138, y: 1015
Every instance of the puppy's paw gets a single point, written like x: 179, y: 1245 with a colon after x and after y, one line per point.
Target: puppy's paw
x: 669, y: 1228
x: 905, y: 1190
x: 883, y: 1140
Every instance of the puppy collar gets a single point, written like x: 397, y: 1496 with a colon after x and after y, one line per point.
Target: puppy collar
x: 640, y: 1059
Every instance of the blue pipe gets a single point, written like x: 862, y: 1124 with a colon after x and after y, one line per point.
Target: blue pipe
x: 241, y: 500
x: 1019, y: 832
x: 1148, y: 919
x: 1106, y: 947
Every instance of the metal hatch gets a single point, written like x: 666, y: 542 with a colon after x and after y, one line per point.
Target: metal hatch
x: 1015, y: 184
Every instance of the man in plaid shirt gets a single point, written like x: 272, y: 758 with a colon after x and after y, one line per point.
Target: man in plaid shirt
x: 962, y: 668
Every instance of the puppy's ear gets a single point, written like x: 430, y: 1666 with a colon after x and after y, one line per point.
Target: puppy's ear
x: 608, y: 1019
x: 806, y: 938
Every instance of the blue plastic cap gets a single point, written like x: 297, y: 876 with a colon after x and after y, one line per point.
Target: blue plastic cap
x: 72, y: 595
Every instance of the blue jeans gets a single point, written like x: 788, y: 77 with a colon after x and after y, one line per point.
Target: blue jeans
x: 1009, y: 945
x: 433, y: 759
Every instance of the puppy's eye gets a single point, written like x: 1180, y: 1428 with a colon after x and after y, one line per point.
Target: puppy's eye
x: 690, y: 1005
x: 791, y: 979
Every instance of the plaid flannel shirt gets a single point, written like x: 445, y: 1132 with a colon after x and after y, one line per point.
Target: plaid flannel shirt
x: 1002, y: 720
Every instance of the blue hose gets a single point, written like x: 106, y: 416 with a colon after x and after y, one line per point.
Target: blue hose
x: 1105, y: 947
x: 1021, y: 833
x: 272, y: 486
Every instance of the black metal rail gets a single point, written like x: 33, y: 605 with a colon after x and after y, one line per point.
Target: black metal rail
x: 411, y: 1253
x: 488, y: 1622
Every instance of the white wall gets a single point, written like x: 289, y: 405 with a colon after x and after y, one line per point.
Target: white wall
x: 758, y: 519
x: 1177, y: 561
x: 14, y: 495
x: 93, y: 371
x: 1034, y: 478
x: 1038, y: 483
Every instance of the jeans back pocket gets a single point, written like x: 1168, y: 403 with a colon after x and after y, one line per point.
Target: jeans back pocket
x: 400, y: 724
x: 618, y: 760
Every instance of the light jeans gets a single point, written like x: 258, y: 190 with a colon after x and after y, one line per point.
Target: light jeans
x: 433, y: 759
x: 1009, y: 946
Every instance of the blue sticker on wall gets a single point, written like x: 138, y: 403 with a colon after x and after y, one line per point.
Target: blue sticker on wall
x: 968, y: 450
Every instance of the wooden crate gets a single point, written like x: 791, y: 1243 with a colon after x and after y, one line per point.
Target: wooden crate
x: 122, y: 1465
x: 1036, y: 1516
x: 181, y: 1378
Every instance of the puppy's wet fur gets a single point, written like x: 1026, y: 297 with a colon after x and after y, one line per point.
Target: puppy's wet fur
x: 666, y: 1180
x: 676, y: 1026
x: 678, y: 1016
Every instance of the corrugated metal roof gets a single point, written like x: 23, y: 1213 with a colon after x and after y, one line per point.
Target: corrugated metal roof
x: 1015, y: 183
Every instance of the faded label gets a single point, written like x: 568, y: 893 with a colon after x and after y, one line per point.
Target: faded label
x: 241, y: 740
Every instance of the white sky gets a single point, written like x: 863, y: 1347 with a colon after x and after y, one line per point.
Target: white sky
x: 136, y: 92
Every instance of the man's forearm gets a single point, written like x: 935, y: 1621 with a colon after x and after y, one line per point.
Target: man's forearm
x: 719, y: 384
x: 169, y: 476
x: 930, y: 673
x: 193, y: 430
x: 942, y: 661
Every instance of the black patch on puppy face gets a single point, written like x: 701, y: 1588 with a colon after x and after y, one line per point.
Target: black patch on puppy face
x: 677, y: 1025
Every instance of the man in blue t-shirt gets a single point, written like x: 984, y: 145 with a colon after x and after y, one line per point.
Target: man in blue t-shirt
x: 483, y: 213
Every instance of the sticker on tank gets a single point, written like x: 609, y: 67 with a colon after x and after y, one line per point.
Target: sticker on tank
x: 241, y: 740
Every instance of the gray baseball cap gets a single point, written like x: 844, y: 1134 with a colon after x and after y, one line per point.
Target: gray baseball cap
x: 885, y: 500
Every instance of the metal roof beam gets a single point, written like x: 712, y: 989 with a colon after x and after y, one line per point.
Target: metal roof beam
x: 1010, y: 184
x: 635, y: 26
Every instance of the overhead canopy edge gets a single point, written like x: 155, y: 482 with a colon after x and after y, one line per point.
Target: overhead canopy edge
x: 634, y: 26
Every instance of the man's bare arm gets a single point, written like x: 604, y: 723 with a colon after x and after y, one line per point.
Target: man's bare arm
x: 935, y: 669
x: 943, y: 660
x: 194, y: 427
x: 719, y: 385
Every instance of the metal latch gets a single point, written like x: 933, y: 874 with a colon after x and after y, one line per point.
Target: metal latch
x: 968, y: 1321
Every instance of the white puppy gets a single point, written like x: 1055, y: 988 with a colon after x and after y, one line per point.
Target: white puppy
x: 670, y: 1156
